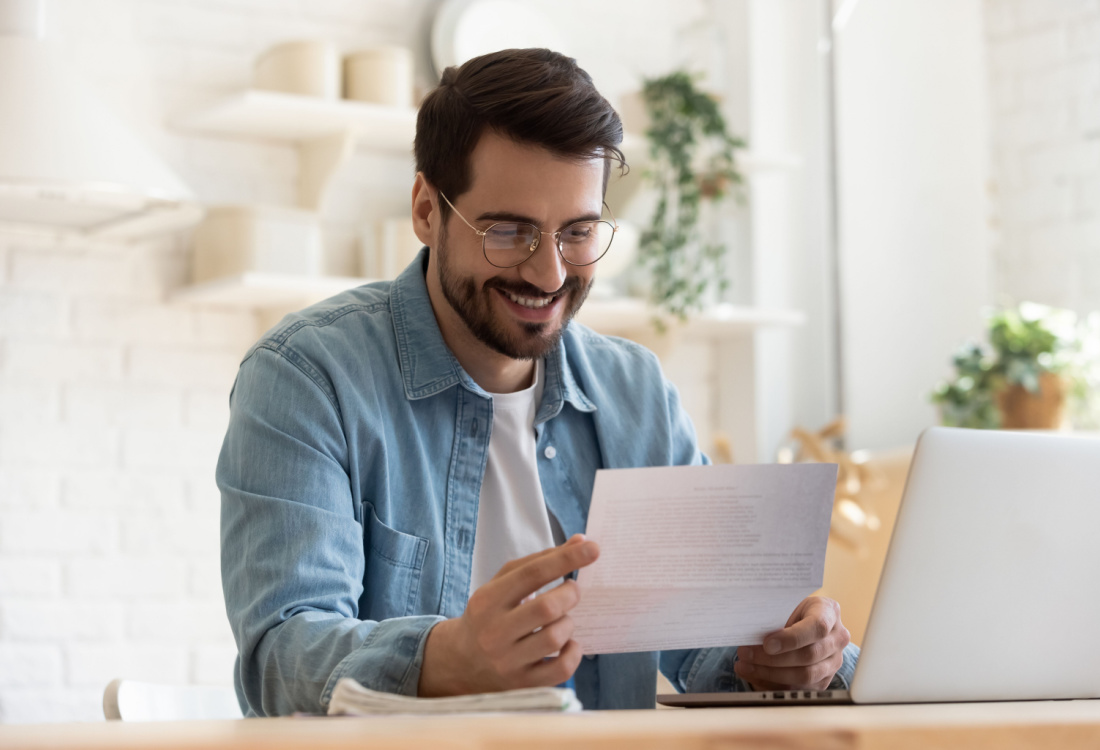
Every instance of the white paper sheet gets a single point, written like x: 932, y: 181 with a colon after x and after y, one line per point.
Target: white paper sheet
x: 698, y: 556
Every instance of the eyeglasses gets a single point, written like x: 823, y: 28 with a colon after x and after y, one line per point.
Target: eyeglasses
x: 507, y: 244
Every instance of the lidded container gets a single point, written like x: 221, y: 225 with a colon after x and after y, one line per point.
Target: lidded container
x: 237, y: 239
x: 308, y: 67
x: 380, y: 75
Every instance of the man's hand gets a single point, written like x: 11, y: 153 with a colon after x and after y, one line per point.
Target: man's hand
x: 494, y: 644
x: 802, y: 656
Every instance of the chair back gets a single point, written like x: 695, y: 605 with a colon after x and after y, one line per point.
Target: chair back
x: 128, y: 700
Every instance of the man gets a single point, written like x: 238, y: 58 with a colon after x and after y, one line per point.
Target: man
x: 408, y: 464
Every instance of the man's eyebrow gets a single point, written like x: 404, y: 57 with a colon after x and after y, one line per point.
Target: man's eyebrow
x: 491, y: 216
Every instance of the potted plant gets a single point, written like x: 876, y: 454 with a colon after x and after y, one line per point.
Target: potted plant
x: 691, y: 162
x: 1036, y: 363
x: 967, y: 399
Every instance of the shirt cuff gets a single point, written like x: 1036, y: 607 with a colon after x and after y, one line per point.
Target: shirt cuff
x: 390, y: 658
x: 712, y: 672
x: 842, y: 680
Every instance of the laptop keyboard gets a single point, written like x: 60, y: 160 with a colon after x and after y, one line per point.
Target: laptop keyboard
x: 786, y: 695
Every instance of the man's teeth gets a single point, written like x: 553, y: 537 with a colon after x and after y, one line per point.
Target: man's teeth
x: 530, y: 301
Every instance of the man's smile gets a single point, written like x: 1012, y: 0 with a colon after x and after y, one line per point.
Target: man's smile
x: 531, y: 302
x: 530, y: 309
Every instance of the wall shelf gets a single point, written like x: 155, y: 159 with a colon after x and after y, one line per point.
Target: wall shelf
x: 269, y: 291
x: 627, y: 315
x: 265, y: 291
x: 271, y: 115
x: 327, y: 132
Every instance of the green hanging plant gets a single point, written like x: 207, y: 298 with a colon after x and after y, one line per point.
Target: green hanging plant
x: 691, y: 161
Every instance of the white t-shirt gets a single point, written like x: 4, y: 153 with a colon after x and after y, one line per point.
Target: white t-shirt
x: 512, y: 519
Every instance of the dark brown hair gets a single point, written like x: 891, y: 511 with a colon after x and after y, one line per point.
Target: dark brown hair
x: 533, y: 96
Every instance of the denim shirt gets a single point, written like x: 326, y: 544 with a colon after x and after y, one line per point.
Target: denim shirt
x: 350, y: 476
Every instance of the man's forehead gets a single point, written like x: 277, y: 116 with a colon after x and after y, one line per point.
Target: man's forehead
x: 502, y: 165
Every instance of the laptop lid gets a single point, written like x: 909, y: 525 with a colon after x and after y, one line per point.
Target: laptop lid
x: 991, y: 586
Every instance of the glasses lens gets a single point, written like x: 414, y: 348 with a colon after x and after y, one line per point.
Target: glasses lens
x: 586, y: 241
x: 509, y: 244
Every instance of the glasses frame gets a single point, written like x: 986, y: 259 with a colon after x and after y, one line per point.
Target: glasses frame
x: 535, y: 246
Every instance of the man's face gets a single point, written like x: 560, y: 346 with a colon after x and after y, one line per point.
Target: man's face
x: 521, y: 311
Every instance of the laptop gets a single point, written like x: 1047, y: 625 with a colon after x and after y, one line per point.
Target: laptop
x: 991, y: 586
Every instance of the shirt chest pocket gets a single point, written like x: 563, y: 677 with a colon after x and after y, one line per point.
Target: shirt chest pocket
x: 394, y: 564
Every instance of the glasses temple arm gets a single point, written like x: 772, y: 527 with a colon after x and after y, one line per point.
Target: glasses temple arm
x: 471, y: 226
x: 614, y: 221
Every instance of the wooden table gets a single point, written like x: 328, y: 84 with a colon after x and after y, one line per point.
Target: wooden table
x: 1065, y: 725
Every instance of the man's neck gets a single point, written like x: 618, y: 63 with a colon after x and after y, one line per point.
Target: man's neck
x: 493, y: 371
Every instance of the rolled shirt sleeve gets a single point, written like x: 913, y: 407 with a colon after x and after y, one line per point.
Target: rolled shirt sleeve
x: 293, y: 551
x: 710, y: 670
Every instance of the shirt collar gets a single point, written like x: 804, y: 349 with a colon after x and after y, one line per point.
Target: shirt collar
x: 561, y: 384
x: 428, y: 366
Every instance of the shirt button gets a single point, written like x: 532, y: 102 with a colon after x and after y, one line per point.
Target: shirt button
x: 550, y: 451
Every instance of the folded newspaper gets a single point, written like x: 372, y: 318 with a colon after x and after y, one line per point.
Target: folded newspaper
x: 349, y: 698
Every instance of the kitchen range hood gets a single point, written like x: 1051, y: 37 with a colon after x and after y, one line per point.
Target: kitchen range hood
x: 67, y: 165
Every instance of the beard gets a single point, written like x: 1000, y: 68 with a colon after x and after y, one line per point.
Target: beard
x: 474, y: 305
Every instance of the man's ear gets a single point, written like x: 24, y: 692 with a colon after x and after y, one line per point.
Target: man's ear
x: 425, y: 210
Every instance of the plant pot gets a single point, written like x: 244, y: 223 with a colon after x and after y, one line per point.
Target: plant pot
x: 712, y: 185
x: 1023, y: 410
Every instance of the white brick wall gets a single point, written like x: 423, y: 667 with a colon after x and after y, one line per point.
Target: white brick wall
x: 113, y: 399
x: 29, y: 665
x: 30, y: 576
x: 36, y: 620
x: 124, y: 578
x: 1044, y: 69
x: 94, y: 665
x: 56, y: 532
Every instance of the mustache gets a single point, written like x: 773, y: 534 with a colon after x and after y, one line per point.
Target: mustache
x: 523, y: 289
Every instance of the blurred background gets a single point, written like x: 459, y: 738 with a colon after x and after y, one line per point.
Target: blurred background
x: 176, y: 175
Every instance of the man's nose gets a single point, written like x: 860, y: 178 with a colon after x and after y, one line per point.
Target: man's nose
x: 545, y: 268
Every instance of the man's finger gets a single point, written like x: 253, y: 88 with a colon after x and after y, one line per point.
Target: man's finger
x: 528, y: 578
x: 542, y: 610
x: 813, y: 677
x: 813, y: 653
x: 817, y: 623
x: 558, y: 669
x: 547, y: 642
x: 521, y: 561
